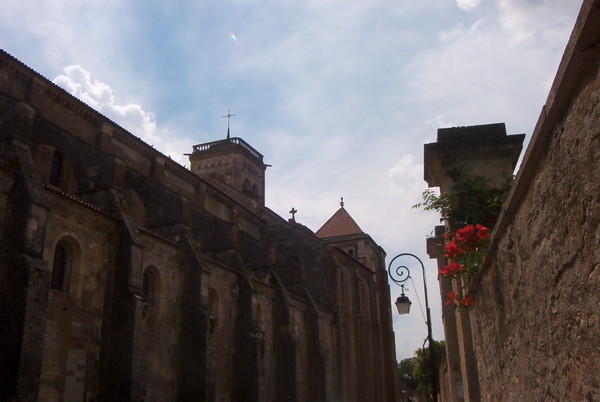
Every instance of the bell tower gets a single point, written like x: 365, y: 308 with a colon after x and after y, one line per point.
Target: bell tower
x: 233, y: 162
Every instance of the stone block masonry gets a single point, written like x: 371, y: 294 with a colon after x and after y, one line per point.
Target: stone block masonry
x: 539, y: 290
x: 533, y: 327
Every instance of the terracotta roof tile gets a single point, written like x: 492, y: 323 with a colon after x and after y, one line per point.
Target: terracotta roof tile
x: 340, y: 224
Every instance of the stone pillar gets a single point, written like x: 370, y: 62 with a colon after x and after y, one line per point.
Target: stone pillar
x: 24, y: 276
x: 454, y: 377
x: 387, y: 348
x: 124, y: 335
x: 285, y: 347
x: 468, y: 364
x: 247, y: 345
x: 340, y: 350
x: 195, y: 328
x: 484, y: 151
x: 317, y: 372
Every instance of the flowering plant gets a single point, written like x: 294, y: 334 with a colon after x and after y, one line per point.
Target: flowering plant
x: 472, y: 199
x: 466, y: 247
x: 472, y: 205
x: 458, y: 302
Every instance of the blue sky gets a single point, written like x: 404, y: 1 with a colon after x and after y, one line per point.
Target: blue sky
x: 339, y: 96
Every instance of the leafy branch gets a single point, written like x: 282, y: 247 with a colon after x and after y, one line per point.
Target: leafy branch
x: 472, y: 199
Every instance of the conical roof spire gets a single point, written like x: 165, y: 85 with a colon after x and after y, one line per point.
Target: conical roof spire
x: 340, y: 224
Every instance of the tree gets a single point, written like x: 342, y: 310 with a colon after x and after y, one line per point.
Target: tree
x: 405, y: 372
x: 422, y: 371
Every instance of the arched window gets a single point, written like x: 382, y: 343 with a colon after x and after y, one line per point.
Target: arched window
x: 246, y: 188
x: 149, y: 287
x: 213, y: 308
x: 260, y: 319
x: 213, y: 301
x: 56, y: 172
x: 61, y: 268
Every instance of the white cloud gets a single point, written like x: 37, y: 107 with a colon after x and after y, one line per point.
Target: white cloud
x: 440, y: 121
x: 404, y: 175
x: 100, y: 96
x: 477, y: 73
x: 533, y: 20
x: 468, y: 4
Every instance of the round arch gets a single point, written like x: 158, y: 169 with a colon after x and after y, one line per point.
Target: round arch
x: 214, y: 308
x: 151, y: 285
x: 65, y: 265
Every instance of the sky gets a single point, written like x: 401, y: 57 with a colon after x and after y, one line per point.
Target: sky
x: 338, y: 95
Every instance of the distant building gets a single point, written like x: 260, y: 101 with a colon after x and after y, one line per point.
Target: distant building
x: 125, y: 276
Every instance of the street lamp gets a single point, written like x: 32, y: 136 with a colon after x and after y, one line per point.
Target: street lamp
x: 399, y: 276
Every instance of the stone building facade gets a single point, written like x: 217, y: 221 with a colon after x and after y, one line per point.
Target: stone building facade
x: 125, y: 276
x: 532, y: 331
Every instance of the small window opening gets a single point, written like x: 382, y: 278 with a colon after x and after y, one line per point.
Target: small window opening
x: 56, y: 172
x: 246, y: 188
x: 213, y: 308
x: 60, y: 269
x: 149, y: 287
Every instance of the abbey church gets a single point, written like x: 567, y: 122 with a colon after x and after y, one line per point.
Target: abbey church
x: 125, y: 276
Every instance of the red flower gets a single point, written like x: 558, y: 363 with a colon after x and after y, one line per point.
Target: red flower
x: 456, y: 268
x: 470, y: 236
x: 466, y: 234
x: 482, y: 232
x: 467, y: 301
x: 451, y: 298
x: 452, y: 250
x: 452, y: 269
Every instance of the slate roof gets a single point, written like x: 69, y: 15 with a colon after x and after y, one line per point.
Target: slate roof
x: 340, y: 224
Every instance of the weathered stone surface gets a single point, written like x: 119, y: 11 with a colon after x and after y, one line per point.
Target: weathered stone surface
x: 537, y: 302
x: 535, y: 320
x: 534, y: 324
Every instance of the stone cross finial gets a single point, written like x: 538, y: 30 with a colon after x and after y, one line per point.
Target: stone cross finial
x: 293, y: 212
x: 342, y: 202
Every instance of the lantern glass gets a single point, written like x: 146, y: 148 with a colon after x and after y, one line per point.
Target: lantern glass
x: 403, y: 304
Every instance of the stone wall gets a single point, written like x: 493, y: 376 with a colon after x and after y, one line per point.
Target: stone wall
x: 531, y: 332
x: 535, y: 320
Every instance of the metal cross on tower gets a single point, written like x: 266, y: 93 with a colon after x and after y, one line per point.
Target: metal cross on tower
x: 229, y: 116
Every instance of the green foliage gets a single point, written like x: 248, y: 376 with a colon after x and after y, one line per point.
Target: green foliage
x: 472, y: 199
x: 433, y: 202
x: 405, y: 372
x: 471, y: 260
x: 472, y: 206
x: 422, y: 368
